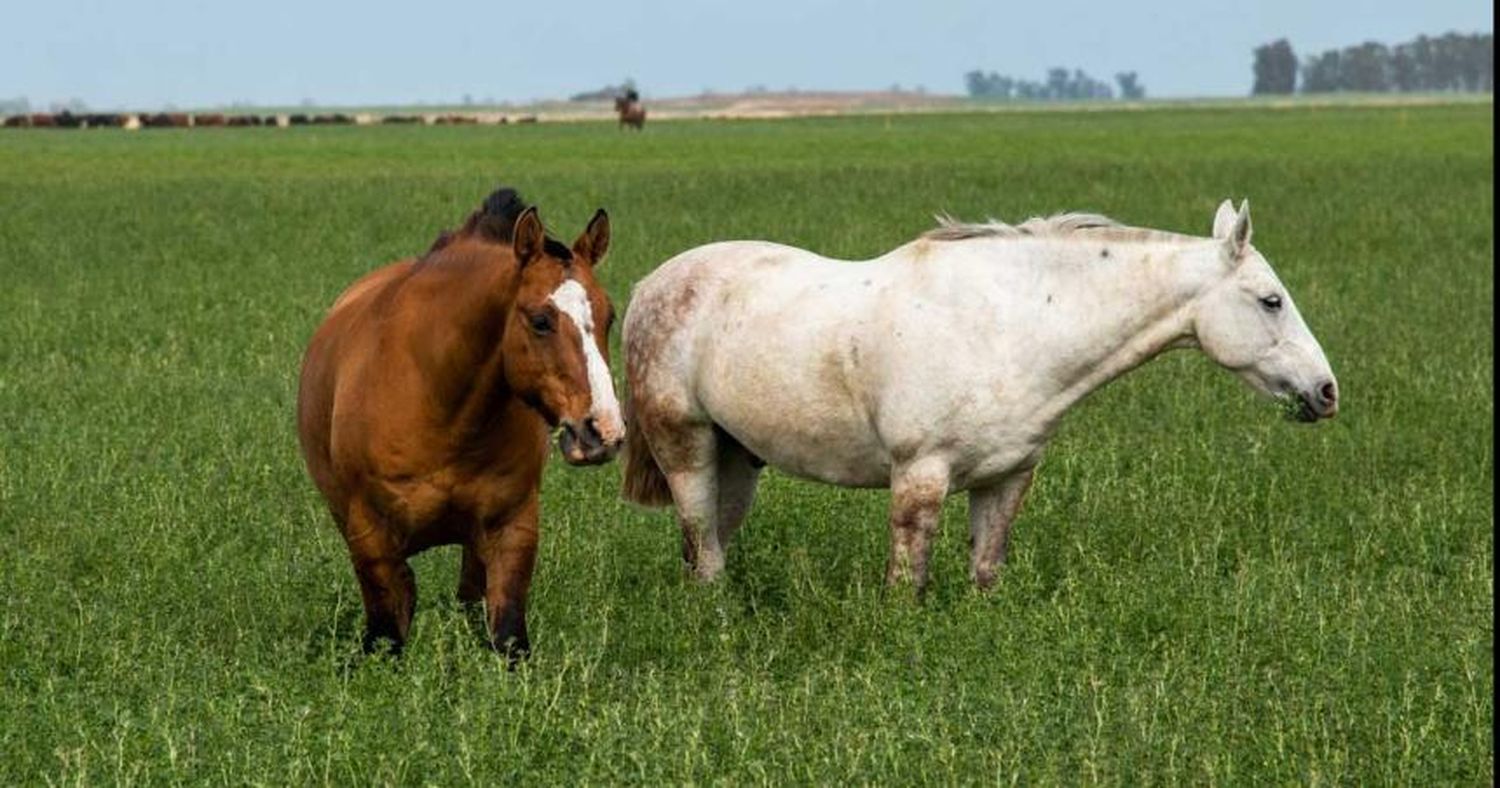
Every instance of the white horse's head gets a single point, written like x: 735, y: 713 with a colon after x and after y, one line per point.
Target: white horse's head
x: 1248, y: 323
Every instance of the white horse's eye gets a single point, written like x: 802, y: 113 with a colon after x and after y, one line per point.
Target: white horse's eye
x: 1271, y: 302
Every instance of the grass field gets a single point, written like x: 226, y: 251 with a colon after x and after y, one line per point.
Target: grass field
x: 1199, y: 592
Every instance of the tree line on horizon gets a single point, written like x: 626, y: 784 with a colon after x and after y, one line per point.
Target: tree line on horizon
x: 606, y: 93
x: 1452, y: 62
x: 1060, y: 84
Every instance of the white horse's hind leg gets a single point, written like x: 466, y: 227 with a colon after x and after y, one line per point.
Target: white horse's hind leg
x: 688, y: 455
x: 991, y: 511
x: 695, y: 494
x: 917, y: 492
x: 738, y: 476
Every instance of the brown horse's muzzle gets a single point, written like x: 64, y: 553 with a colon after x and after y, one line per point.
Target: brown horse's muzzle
x: 581, y: 443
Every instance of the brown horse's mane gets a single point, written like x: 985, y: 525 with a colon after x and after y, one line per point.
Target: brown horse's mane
x: 495, y: 221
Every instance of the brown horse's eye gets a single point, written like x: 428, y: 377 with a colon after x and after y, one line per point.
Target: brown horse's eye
x: 541, y: 323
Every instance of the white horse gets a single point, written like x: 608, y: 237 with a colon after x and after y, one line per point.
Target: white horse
x: 943, y: 365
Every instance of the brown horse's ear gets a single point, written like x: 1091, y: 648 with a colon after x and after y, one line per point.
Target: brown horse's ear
x: 528, y: 236
x: 594, y: 243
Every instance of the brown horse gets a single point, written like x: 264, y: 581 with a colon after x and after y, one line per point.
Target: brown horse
x: 631, y: 112
x: 426, y: 400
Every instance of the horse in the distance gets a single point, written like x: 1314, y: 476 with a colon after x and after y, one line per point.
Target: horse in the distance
x: 943, y: 366
x: 629, y: 108
x: 427, y: 397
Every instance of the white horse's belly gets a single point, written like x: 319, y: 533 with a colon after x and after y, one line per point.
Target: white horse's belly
x: 788, y: 408
x: 776, y: 371
x: 998, y: 460
x: 977, y: 432
x: 824, y: 454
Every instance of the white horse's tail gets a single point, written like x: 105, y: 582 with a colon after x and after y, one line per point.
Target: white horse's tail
x: 645, y: 484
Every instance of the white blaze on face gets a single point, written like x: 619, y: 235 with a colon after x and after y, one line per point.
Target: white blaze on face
x: 572, y: 300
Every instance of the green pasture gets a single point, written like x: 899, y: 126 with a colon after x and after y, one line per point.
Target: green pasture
x: 1199, y: 592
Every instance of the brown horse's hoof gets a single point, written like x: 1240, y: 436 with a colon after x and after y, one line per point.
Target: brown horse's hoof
x: 509, y: 638
x: 375, y: 643
x: 514, y: 650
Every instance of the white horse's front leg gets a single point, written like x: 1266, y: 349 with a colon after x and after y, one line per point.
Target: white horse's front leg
x: 991, y: 511
x: 917, y: 492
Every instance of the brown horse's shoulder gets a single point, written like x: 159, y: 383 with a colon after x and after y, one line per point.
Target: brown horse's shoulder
x: 497, y: 473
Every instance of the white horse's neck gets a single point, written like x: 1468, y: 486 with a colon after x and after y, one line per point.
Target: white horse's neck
x: 1143, y: 307
x: 1105, y: 314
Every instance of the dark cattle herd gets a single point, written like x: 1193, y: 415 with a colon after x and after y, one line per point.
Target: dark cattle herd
x: 182, y: 120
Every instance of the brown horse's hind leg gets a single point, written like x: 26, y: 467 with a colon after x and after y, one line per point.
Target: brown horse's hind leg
x: 471, y: 577
x: 507, y: 550
x: 991, y: 512
x: 917, y: 493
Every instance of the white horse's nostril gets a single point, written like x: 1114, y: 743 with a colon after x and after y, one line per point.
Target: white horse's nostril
x: 1328, y: 392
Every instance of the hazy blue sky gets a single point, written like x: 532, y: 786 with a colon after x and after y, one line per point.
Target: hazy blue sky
x: 144, y: 54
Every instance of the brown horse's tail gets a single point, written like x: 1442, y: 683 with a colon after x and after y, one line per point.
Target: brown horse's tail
x: 645, y: 484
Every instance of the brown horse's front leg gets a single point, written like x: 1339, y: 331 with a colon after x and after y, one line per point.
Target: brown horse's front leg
x: 389, y: 590
x: 386, y: 582
x: 507, y: 548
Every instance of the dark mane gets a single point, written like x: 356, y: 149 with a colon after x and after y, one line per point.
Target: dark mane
x: 496, y: 218
x: 496, y: 221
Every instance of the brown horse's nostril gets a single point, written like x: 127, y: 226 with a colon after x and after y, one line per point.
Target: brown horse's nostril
x: 592, y: 438
x: 582, y: 443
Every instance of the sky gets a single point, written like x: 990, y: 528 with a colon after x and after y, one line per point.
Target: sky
x: 148, y: 54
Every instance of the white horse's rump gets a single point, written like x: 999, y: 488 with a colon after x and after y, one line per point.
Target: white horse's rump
x: 943, y: 365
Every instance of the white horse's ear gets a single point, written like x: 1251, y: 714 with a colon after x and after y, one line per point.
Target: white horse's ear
x: 1233, y: 228
x: 1224, y: 219
x: 1239, y: 236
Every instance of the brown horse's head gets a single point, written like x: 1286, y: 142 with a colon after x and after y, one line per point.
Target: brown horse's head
x: 556, y: 340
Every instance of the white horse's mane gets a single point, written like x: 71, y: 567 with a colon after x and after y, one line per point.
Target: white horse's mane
x: 950, y: 229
